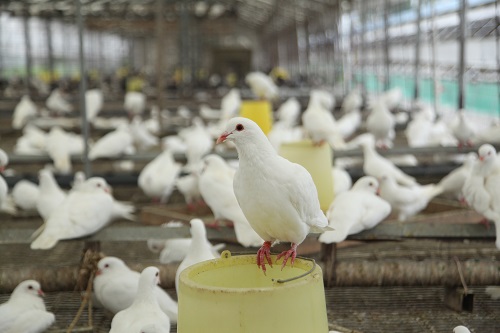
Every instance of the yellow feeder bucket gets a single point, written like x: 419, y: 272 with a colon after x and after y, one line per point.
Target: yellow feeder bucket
x: 232, y: 295
x: 318, y: 161
x: 260, y: 111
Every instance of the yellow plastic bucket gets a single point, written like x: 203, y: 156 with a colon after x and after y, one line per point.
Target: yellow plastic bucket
x: 232, y: 295
x: 259, y: 111
x: 318, y: 161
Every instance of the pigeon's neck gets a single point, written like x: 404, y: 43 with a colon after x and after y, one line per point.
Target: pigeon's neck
x: 145, y: 293
x: 259, y: 151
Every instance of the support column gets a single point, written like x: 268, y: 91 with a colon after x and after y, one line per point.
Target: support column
x: 461, y: 59
x: 363, y: 48
x: 83, y: 89
x: 50, y: 51
x: 416, y: 92
x: 160, y: 47
x: 29, y: 60
x: 387, y: 60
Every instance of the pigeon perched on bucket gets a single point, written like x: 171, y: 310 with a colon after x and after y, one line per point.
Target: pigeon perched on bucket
x: 278, y: 197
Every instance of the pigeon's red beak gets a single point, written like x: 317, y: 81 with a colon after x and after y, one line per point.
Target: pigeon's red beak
x: 2, y: 168
x: 378, y: 192
x: 40, y: 292
x: 222, y: 138
x: 481, y: 158
x: 99, y: 272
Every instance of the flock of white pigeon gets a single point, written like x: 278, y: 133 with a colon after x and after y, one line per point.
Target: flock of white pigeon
x: 259, y: 188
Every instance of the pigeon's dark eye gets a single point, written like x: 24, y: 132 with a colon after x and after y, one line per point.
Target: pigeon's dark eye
x: 240, y: 127
x: 371, y: 184
x: 156, y: 274
x: 107, y: 265
x: 30, y: 287
x: 98, y: 185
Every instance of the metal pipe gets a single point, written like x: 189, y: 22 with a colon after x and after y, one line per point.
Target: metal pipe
x: 461, y: 63
x: 433, y: 60
x: 83, y: 88
x: 416, y: 93
x: 50, y: 50
x: 387, y: 60
x: 29, y: 60
x: 160, y: 77
x: 497, y: 41
x: 363, y: 47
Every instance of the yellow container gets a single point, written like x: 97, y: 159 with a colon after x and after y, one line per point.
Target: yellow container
x: 318, y: 161
x: 259, y: 111
x: 232, y: 295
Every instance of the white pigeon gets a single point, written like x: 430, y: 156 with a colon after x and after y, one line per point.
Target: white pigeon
x: 142, y: 137
x: 281, y: 133
x: 175, y: 143
x: 230, y: 104
x: 262, y: 86
x: 157, y: 178
x: 115, y: 286
x: 93, y: 103
x: 377, y: 166
x: 50, y: 194
x: 493, y: 291
x: 463, y: 130
x: 24, y: 146
x: 153, y: 124
x: 349, y: 123
x: 58, y: 149
x: 323, y: 98
x: 418, y: 132
x: 278, y: 197
x: 216, y: 188
x: 154, y: 328
x: 407, y: 201
x: 25, y: 195
x: 189, y: 188
x: 6, y: 204
x: 83, y: 212
x: 355, y: 210
x: 23, y: 112
x: 206, y: 112
x: 135, y: 103
x: 392, y: 97
x: 56, y: 102
x: 461, y: 329
x: 120, y: 209
x: 490, y: 135
x: 176, y: 249
x: 453, y: 182
x: 320, y: 125
x: 198, y: 143
x: 200, y: 249
x: 353, y: 101
x: 288, y: 113
x: 25, y: 310
x: 380, y: 123
x: 113, y: 144
x: 35, y: 136
x: 144, y: 309
x: 342, y: 181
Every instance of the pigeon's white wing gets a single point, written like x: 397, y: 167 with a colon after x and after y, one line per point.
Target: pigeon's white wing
x: 118, y: 293
x: 31, y: 321
x: 303, y: 194
x: 492, y: 185
x: 8, y: 314
x: 167, y: 304
x: 376, y: 209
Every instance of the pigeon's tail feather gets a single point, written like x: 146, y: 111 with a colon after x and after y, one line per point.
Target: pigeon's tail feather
x: 433, y: 190
x: 124, y: 210
x: 329, y: 237
x: 9, y: 206
x: 44, y: 242
x: 405, y: 180
x: 336, y: 141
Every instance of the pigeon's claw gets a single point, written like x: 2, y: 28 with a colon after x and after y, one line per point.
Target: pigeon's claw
x: 292, y: 253
x: 264, y: 253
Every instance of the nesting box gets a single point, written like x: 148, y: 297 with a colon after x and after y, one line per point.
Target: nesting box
x: 260, y: 111
x: 318, y: 161
x: 231, y: 294
x: 458, y: 299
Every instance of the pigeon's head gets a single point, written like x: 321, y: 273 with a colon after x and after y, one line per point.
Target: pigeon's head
x: 213, y: 161
x: 95, y: 184
x: 240, y: 130
x: 461, y: 329
x: 4, y: 160
x: 367, y: 183
x: 198, y: 230
x: 109, y: 264
x: 29, y: 287
x: 150, y: 276
x: 151, y: 328
x: 487, y: 153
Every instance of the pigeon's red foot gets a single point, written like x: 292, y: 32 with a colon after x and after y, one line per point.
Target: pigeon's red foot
x: 463, y: 201
x: 264, y: 253
x: 191, y: 207
x: 214, y: 224
x: 484, y: 221
x: 318, y: 143
x: 292, y: 253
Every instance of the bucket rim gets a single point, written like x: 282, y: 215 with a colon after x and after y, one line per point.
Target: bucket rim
x: 299, y: 280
